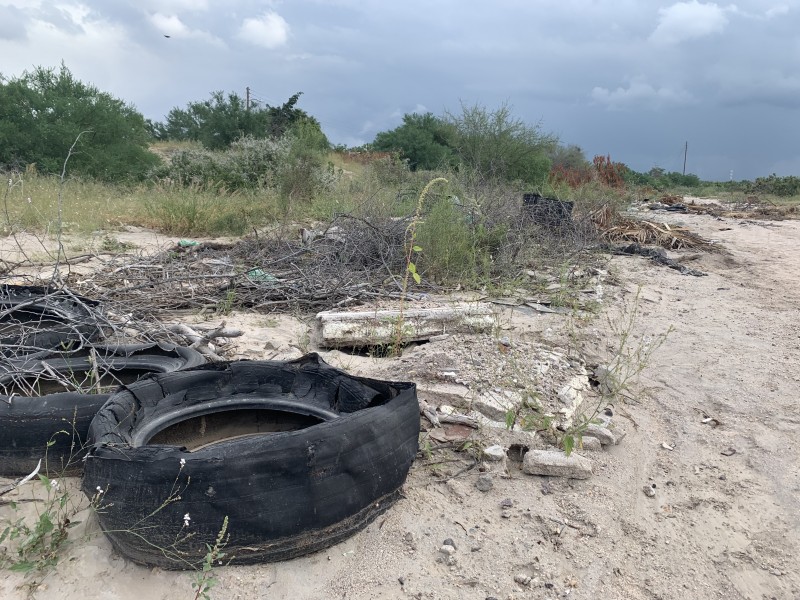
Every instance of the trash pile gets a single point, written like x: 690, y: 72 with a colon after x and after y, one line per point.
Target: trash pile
x: 289, y: 456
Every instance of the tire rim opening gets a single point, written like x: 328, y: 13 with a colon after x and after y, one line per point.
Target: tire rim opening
x: 200, y: 431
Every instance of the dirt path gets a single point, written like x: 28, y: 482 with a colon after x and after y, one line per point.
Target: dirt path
x: 719, y: 526
x: 725, y: 519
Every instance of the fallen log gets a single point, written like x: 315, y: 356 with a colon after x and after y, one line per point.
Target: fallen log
x: 378, y: 327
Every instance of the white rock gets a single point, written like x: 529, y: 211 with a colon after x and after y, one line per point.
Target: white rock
x: 601, y: 433
x: 590, y: 443
x: 494, y: 453
x: 555, y: 463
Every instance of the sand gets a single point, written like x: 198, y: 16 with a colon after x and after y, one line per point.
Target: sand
x: 725, y: 518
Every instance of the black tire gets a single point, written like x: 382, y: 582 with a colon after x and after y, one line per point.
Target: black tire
x: 35, y: 409
x: 285, y: 493
x: 36, y: 319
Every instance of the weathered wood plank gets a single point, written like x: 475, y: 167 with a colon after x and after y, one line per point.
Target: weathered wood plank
x: 376, y: 327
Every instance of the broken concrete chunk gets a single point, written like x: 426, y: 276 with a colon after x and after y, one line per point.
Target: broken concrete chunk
x: 494, y: 453
x: 555, y: 463
x: 590, y: 443
x: 371, y: 328
x: 495, y: 404
x: 601, y: 433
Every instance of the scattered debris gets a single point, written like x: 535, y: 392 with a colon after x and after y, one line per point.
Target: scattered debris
x: 666, y: 446
x: 657, y: 255
x: 637, y: 232
x: 650, y: 490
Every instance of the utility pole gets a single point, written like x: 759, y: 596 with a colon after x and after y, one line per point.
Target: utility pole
x: 685, y: 150
x: 247, y: 102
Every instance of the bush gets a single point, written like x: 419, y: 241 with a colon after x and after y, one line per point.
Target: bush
x: 249, y: 163
x: 779, y: 186
x: 500, y: 146
x: 425, y: 141
x: 43, y: 112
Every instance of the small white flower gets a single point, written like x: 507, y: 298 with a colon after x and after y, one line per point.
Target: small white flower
x: 183, y: 462
x: 54, y: 484
x: 29, y: 199
x: 100, y: 490
x: 186, y: 519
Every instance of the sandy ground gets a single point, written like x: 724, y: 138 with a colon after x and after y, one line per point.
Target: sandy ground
x: 725, y: 519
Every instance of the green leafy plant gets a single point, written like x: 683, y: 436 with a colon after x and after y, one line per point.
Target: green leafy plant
x: 34, y: 543
x: 205, y: 580
x: 411, y: 267
x: 620, y: 377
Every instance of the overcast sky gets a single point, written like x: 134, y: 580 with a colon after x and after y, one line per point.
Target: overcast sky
x: 631, y: 78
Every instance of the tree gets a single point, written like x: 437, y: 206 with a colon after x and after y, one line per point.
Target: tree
x: 425, y: 141
x: 568, y: 157
x: 216, y: 122
x: 220, y: 121
x: 498, y: 145
x: 42, y: 113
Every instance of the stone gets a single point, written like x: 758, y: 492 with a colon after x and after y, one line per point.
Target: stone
x: 590, y: 443
x: 507, y: 503
x: 505, y: 514
x: 601, y: 433
x: 447, y: 550
x: 555, y: 463
x: 522, y: 579
x: 449, y: 542
x: 649, y: 490
x: 494, y: 453
x: 484, y: 483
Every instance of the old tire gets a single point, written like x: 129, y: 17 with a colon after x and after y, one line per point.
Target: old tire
x: 36, y: 319
x: 36, y: 410
x: 285, y: 492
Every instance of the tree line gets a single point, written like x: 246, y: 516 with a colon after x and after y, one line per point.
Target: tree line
x: 43, y: 112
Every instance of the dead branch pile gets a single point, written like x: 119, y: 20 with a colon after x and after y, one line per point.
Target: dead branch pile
x: 637, y: 231
x: 350, y: 261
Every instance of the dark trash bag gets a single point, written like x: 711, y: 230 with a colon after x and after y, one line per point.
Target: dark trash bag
x: 36, y: 319
x: 29, y: 422
x: 298, y: 455
x: 548, y: 212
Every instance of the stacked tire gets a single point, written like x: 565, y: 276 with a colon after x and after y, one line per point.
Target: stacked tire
x: 54, y: 376
x: 37, y: 319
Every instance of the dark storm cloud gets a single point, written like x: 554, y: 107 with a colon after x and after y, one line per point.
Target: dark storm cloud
x: 633, y: 78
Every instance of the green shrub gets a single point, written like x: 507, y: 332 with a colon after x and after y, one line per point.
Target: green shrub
x: 455, y: 248
x: 249, y: 163
x: 43, y: 113
x: 779, y: 186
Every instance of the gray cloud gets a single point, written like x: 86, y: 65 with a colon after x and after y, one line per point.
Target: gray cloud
x: 13, y: 23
